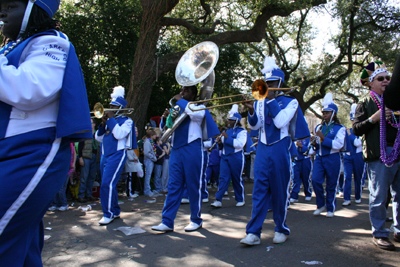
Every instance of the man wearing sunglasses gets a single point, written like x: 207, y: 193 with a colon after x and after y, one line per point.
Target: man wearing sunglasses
x: 381, y: 177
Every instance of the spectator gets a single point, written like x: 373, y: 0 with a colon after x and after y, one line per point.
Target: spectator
x: 150, y: 157
x: 165, y: 169
x: 158, y: 165
x: 133, y: 185
x: 87, y: 151
x: 380, y: 176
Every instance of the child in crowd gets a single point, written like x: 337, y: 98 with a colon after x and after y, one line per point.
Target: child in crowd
x: 158, y: 165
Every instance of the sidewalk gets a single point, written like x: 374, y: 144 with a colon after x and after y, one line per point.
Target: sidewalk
x: 344, y: 240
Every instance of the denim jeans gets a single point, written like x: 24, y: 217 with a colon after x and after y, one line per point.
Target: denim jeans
x: 61, y: 198
x: 164, y: 177
x: 157, y: 177
x: 149, y: 165
x: 88, y: 174
x: 380, y: 179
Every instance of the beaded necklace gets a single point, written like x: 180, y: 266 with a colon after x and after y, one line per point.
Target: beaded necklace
x: 153, y: 145
x: 394, y: 156
x: 393, y: 122
x: 10, y: 46
x: 328, y: 128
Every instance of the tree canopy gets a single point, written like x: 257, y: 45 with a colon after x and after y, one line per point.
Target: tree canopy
x: 138, y: 43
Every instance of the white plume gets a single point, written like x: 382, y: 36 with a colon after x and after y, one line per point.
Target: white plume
x: 269, y: 65
x: 353, y: 108
x: 328, y: 99
x: 233, y: 110
x: 118, y: 91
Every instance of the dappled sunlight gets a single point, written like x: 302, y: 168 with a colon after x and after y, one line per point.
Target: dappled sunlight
x: 198, y: 259
x: 358, y: 231
x: 78, y: 240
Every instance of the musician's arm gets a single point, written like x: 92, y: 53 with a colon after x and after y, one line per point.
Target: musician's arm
x: 100, y: 133
x: 305, y: 147
x: 162, y: 123
x: 196, y: 115
x: 237, y: 142
x: 208, y: 143
x: 337, y: 142
x: 282, y: 117
x: 315, y: 146
x: 30, y: 87
x: 119, y: 132
x: 357, y: 142
x: 252, y: 118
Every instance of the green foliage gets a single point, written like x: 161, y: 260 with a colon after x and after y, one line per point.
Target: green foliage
x: 105, y: 35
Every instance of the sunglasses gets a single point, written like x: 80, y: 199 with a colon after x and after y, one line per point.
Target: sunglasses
x: 381, y: 78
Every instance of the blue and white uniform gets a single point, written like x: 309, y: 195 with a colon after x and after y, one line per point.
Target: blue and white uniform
x: 213, y: 168
x: 232, y: 163
x: 272, y: 164
x: 327, y: 164
x: 43, y: 107
x: 186, y: 164
x: 302, y: 171
x: 353, y: 163
x: 116, y: 137
x: 204, y: 192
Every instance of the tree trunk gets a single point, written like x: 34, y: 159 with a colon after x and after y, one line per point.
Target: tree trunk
x: 144, y: 65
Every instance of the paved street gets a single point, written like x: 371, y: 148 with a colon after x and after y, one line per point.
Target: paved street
x: 345, y: 240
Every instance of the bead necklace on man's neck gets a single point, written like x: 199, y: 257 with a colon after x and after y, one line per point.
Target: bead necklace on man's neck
x: 378, y: 100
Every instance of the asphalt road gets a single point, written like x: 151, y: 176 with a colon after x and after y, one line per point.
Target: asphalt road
x: 76, y: 239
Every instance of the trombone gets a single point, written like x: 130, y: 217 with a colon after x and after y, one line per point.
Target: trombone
x: 99, y: 110
x: 259, y: 90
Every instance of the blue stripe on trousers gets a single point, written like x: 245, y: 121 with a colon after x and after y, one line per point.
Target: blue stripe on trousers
x: 326, y: 167
x: 111, y: 168
x: 185, y: 167
x: 33, y: 169
x: 231, y: 168
x: 271, y: 184
x: 302, y: 174
x: 353, y: 164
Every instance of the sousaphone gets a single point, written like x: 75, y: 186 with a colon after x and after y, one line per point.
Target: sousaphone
x: 195, y: 66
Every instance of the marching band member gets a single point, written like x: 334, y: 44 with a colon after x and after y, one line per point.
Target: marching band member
x: 232, y: 159
x: 272, y: 117
x: 186, y: 163
x: 332, y: 136
x: 353, y: 163
x: 385, y: 175
x: 117, y: 134
x: 204, y: 192
x: 302, y: 171
x: 213, y: 168
x: 44, y: 108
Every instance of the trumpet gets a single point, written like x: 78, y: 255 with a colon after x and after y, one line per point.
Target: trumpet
x: 259, y: 91
x: 99, y: 110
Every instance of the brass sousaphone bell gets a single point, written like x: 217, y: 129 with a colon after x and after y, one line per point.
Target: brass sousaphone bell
x: 195, y: 66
